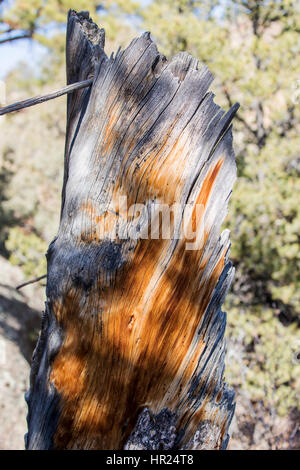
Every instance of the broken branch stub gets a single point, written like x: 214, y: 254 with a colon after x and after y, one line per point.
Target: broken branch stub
x: 131, y: 352
x: 11, y: 108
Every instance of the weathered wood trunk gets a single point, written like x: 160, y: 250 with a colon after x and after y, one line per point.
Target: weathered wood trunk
x: 131, y: 352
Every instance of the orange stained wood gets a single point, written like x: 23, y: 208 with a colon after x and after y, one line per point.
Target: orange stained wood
x: 132, y: 341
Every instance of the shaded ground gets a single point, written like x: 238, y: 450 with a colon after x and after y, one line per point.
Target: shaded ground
x: 19, y: 326
x: 254, y: 428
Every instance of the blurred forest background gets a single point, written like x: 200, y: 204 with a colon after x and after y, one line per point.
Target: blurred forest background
x: 253, y: 49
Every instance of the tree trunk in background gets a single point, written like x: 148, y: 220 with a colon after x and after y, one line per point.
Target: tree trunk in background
x: 131, y: 352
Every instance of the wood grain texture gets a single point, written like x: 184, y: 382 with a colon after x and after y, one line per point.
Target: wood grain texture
x: 131, y: 353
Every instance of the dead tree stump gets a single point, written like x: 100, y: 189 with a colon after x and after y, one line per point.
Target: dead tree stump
x: 131, y: 351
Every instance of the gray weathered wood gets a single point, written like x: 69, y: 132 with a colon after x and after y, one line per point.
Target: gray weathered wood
x: 131, y: 352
